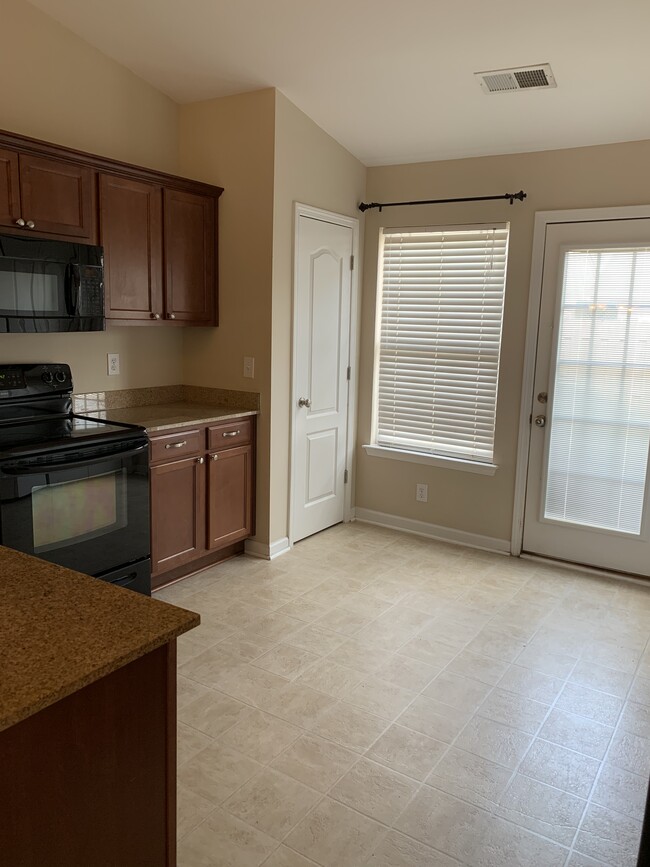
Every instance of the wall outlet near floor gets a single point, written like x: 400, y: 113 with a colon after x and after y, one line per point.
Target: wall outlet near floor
x: 249, y: 367
x: 113, y: 363
x: 422, y: 493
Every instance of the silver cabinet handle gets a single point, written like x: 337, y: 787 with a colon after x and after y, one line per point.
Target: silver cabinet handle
x: 232, y: 433
x: 20, y: 222
x: 155, y: 315
x: 304, y: 401
x: 31, y: 224
x: 171, y: 316
x: 200, y: 460
x: 176, y: 445
x: 214, y: 457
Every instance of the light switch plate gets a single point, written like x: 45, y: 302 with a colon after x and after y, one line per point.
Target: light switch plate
x: 249, y: 367
x: 113, y: 363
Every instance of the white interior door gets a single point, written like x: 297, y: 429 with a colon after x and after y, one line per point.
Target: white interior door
x: 321, y: 360
x: 587, y: 489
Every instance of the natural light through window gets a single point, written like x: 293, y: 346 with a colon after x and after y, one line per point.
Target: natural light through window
x: 441, y: 294
x: 600, y: 428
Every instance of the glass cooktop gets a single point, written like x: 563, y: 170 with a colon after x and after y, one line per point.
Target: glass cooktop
x: 44, y: 434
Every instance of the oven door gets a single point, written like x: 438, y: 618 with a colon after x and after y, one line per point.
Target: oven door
x: 86, y: 510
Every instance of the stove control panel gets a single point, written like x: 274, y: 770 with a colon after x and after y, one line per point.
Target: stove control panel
x: 30, y: 380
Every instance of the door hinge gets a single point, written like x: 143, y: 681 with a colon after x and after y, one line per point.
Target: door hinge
x: 352, y: 262
x: 345, y: 477
x: 349, y: 373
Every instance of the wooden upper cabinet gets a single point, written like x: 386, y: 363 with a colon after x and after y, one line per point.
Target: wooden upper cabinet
x: 9, y: 188
x: 57, y: 197
x: 159, y: 231
x: 130, y: 225
x: 190, y: 257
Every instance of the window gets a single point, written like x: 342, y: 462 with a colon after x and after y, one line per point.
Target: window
x: 438, y: 341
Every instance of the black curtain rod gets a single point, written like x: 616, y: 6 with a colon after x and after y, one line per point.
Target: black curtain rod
x: 366, y: 206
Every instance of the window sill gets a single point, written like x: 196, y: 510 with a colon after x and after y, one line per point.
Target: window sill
x: 431, y: 460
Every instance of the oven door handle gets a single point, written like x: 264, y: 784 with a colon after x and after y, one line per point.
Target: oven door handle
x: 51, y: 468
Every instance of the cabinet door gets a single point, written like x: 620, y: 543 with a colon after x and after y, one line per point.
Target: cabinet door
x: 230, y: 496
x: 190, y: 257
x: 177, y: 513
x: 130, y: 225
x: 9, y: 191
x: 57, y: 197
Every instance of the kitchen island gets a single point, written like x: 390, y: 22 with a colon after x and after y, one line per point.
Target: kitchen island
x: 87, y: 720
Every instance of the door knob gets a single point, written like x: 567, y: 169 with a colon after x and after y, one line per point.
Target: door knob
x: 155, y: 315
x: 304, y: 401
x: 540, y: 420
x: 31, y: 224
x: 20, y: 222
x: 171, y: 316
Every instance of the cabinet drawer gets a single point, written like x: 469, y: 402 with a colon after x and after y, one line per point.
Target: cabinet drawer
x: 234, y: 433
x: 176, y: 445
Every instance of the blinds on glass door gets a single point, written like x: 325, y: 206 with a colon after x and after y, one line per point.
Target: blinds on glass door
x: 441, y: 310
x: 600, y: 420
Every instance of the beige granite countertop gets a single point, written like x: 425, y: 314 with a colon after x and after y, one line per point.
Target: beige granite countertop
x: 61, y: 630
x: 160, y: 417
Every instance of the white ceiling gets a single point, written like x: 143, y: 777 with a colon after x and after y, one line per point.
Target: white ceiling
x: 393, y: 81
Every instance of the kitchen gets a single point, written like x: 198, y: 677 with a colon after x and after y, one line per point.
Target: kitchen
x: 267, y: 154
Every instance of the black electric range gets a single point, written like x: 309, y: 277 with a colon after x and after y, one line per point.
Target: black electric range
x: 73, y: 490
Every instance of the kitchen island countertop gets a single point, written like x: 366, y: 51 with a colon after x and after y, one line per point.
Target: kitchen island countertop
x: 62, y: 630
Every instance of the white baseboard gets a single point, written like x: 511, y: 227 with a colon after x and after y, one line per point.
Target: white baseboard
x: 267, y: 552
x: 433, y: 531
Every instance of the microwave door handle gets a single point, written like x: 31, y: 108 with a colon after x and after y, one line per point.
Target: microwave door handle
x: 52, y: 468
x: 72, y: 283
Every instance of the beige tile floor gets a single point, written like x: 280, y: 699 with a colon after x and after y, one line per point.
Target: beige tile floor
x: 376, y: 698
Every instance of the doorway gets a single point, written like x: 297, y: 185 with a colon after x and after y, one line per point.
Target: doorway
x: 588, y: 398
x: 324, y: 375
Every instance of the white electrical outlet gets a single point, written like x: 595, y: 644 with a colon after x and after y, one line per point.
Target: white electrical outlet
x: 113, y: 363
x: 422, y: 493
x: 249, y: 367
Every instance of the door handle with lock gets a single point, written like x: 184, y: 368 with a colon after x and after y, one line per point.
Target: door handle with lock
x: 304, y: 401
x: 540, y: 420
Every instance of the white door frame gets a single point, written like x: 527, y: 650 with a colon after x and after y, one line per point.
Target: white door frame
x: 301, y: 210
x: 542, y: 220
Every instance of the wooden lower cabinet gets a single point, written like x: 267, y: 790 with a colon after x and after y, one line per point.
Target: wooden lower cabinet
x: 202, y: 506
x: 177, y: 513
x: 230, y: 496
x: 90, y: 781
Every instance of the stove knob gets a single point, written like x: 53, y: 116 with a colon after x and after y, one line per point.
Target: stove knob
x: 47, y: 377
x: 59, y: 376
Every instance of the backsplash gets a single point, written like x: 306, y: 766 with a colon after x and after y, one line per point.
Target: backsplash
x: 96, y: 401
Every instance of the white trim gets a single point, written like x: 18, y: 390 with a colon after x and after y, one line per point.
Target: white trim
x: 542, y: 220
x: 301, y: 210
x: 431, y: 460
x: 433, y: 531
x: 589, y: 570
x: 267, y: 552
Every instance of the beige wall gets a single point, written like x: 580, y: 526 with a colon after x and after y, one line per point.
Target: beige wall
x: 577, y: 178
x: 229, y: 142
x: 60, y: 89
x: 313, y: 169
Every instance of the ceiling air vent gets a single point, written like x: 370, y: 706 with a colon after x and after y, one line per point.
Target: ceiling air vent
x: 520, y: 78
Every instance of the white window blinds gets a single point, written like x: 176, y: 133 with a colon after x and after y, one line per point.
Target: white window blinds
x: 439, y: 336
x: 600, y: 423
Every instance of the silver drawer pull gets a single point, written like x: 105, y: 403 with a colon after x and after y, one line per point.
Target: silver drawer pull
x: 232, y: 433
x: 176, y: 445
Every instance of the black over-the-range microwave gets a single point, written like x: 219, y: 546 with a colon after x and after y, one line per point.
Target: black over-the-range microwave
x: 48, y: 286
